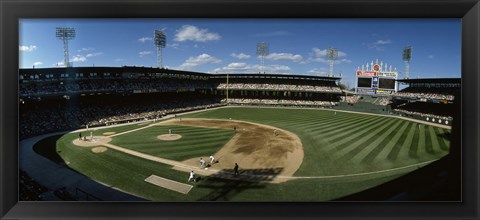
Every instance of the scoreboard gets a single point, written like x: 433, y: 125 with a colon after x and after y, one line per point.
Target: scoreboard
x: 375, y: 78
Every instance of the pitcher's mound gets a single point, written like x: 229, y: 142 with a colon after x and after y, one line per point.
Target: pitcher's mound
x: 98, y: 150
x: 169, y: 137
x: 94, y: 141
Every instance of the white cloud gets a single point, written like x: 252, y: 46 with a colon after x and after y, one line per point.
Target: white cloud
x: 342, y: 61
x: 382, y: 42
x: 78, y: 58
x: 319, y: 53
x: 284, y: 56
x: 278, y: 68
x: 119, y: 60
x: 379, y: 45
x: 245, y: 68
x: 145, y: 39
x: 94, y: 54
x: 85, y: 49
x: 240, y: 56
x: 27, y: 48
x: 431, y: 56
x: 235, y: 68
x: 145, y: 53
x: 38, y: 63
x: 323, y: 53
x: 174, y: 45
x: 193, y: 33
x: 59, y: 63
x: 319, y: 71
x: 199, y: 60
x: 237, y: 65
x: 320, y: 56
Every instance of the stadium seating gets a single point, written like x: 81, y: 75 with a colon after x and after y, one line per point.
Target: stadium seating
x: 427, y: 93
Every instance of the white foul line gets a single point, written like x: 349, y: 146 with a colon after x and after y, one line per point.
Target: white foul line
x: 179, y: 164
x: 356, y: 174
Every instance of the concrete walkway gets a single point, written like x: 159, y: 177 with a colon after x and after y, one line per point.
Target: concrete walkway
x: 55, y: 176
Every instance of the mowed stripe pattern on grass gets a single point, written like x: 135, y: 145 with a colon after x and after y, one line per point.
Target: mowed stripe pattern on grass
x: 348, y: 143
x: 195, y: 141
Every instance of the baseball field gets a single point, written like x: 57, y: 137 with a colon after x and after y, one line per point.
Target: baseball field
x: 283, y: 154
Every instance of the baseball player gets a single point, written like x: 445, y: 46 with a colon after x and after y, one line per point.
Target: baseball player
x: 192, y: 176
x: 212, y: 160
x: 169, y: 131
x: 235, y: 170
x: 202, y: 162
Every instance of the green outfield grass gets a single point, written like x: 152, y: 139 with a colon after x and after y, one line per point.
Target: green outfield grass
x: 341, y: 144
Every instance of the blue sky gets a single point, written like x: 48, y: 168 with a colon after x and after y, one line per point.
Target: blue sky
x: 296, y: 46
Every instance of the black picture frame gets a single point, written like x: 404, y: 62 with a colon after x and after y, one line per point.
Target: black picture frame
x: 11, y: 11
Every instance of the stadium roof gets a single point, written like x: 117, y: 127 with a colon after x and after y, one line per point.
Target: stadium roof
x: 261, y: 75
x: 141, y: 69
x: 431, y: 80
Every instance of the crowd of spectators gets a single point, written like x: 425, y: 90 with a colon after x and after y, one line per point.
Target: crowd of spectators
x: 130, y: 85
x: 152, y: 114
x: 51, y: 116
x: 30, y: 190
x: 425, y: 115
x: 45, y: 116
x: 280, y: 87
x: 383, y: 101
x: 427, y: 93
x: 350, y: 99
x: 281, y: 102
x: 426, y: 110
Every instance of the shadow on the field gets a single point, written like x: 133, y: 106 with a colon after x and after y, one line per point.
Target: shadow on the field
x: 446, y: 135
x: 225, y: 184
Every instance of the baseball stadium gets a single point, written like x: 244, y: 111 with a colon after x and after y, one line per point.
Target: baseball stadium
x: 136, y: 133
x: 141, y: 131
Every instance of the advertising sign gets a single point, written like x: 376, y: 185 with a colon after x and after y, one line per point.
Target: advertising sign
x: 374, y: 82
x: 387, y: 74
x: 360, y: 73
x: 381, y: 91
x: 365, y: 91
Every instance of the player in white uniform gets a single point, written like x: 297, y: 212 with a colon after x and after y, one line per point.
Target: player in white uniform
x: 202, y: 162
x: 192, y: 176
x: 212, y: 160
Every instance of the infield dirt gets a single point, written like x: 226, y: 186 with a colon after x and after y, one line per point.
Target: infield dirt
x: 254, y: 146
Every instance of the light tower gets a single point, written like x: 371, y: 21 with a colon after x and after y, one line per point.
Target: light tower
x: 407, y: 56
x: 332, y: 54
x: 160, y: 41
x: 65, y: 34
x: 262, y: 51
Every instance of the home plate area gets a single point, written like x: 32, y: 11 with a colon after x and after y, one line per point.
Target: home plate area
x: 169, y: 184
